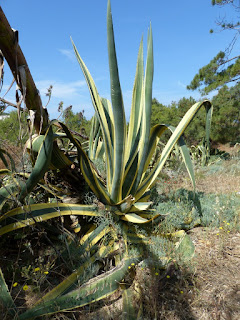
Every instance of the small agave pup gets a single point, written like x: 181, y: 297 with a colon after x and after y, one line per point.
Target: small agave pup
x: 125, y: 191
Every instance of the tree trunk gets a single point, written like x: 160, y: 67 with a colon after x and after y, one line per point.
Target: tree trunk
x: 13, y: 54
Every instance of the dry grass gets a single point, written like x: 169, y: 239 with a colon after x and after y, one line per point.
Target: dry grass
x: 225, y: 180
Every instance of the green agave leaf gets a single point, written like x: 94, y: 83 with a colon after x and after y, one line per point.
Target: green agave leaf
x: 95, y: 127
x: 140, y: 206
x: 187, y: 160
x: 5, y: 296
x: 96, y: 145
x: 185, y: 248
x: 91, y: 238
x: 101, y: 114
x: 2, y: 157
x: 137, y: 107
x: 129, y: 312
x: 29, y: 215
x: 10, y: 191
x: 137, y: 218
x: 118, y: 114
x: 145, y: 197
x: 68, y: 283
x: 151, y: 178
x: 131, y: 170
x: 90, y: 174
x: 94, y: 137
x: 209, y: 112
x: 155, y: 135
x: 146, y: 116
x: 109, y: 116
x: 5, y: 171
x: 94, y: 290
x: 59, y: 160
x: 41, y: 165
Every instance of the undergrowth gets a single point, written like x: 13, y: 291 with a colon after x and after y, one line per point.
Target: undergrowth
x: 34, y: 260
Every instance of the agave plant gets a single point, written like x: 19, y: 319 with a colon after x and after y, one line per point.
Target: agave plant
x: 110, y: 227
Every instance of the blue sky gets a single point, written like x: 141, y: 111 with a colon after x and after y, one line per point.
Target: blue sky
x: 181, y: 38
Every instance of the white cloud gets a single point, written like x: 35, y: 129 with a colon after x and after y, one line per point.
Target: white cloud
x: 61, y: 90
x: 182, y: 85
x: 68, y: 53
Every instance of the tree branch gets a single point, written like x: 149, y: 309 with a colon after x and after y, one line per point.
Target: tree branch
x: 226, y: 61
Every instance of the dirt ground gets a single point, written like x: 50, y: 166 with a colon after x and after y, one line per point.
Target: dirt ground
x: 207, y: 289
x: 217, y: 274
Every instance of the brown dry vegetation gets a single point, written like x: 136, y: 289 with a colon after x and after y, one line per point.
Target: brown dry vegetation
x: 14, y: 151
x: 226, y: 179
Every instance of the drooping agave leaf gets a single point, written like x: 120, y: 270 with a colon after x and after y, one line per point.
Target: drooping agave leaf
x: 41, y: 165
x: 209, y: 112
x: 155, y: 135
x: 29, y: 215
x: 58, y: 159
x: 151, y: 178
x: 5, y: 296
x: 187, y: 160
x: 94, y: 290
